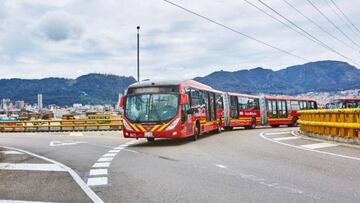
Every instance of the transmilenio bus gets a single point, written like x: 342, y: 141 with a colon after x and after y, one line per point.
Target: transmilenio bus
x: 179, y: 109
x: 344, y: 103
x: 171, y: 109
x: 242, y: 110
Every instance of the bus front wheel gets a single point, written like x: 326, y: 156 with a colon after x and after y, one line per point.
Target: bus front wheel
x: 150, y: 139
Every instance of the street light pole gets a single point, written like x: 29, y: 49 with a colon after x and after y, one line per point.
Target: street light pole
x: 138, y: 65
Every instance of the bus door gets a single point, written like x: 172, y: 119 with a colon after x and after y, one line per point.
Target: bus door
x: 187, y: 114
x: 282, y: 109
x: 272, y: 109
x: 212, y: 108
x: 234, y: 108
x: 263, y: 111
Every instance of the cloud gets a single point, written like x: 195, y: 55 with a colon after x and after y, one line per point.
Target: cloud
x: 71, y: 37
x: 58, y: 26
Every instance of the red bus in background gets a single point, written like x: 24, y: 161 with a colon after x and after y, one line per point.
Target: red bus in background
x: 283, y: 110
x: 171, y: 109
x: 241, y: 110
x: 344, y: 103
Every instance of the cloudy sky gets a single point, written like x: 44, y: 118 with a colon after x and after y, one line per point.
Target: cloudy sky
x: 69, y: 38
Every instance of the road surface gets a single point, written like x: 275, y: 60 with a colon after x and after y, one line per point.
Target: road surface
x: 261, y: 165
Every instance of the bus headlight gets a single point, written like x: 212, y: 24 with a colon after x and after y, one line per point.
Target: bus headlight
x: 126, y: 125
x: 173, y: 124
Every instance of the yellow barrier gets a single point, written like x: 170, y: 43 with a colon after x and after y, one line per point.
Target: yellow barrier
x: 61, y: 125
x: 343, y: 123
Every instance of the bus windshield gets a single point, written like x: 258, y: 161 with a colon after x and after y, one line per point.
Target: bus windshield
x: 151, y: 107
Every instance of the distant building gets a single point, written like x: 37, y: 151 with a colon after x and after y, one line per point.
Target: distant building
x: 19, y: 105
x: 5, y: 104
x: 40, y: 101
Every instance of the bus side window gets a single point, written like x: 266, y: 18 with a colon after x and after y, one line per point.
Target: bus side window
x: 243, y: 102
x: 257, y: 104
x: 195, y: 100
x: 252, y: 104
x: 295, y: 105
x: 288, y: 106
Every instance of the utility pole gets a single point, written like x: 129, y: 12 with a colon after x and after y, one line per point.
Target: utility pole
x: 138, y: 65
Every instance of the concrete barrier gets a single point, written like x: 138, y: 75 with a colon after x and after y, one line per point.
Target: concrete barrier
x: 61, y: 125
x: 342, y: 125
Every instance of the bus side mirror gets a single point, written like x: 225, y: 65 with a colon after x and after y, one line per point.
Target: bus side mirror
x: 122, y: 101
x: 184, y: 99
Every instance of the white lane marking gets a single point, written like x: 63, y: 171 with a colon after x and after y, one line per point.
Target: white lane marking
x: 97, y: 181
x: 104, y: 162
x: 95, y: 172
x: 101, y: 165
x: 318, y: 145
x: 56, y: 143
x: 129, y: 150
x: 20, y: 201
x: 30, y: 167
x: 220, y: 166
x: 76, y: 134
x: 286, y: 138
x: 91, y: 194
x: 278, y: 133
x: 114, y: 151
x: 307, y: 149
x: 259, y: 180
x: 102, y: 159
x: 10, y: 152
x: 109, y: 155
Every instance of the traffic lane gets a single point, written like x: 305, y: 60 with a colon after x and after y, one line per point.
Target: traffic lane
x: 40, y: 186
x: 246, y: 152
x: 139, y: 177
x: 28, y: 178
x: 79, y: 157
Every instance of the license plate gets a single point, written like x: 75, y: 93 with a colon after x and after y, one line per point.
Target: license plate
x: 148, y: 134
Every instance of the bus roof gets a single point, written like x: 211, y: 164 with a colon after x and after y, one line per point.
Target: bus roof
x: 191, y: 83
x: 243, y: 95
x: 346, y: 99
x: 289, y: 98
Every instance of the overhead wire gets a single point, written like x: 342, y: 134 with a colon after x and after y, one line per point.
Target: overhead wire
x: 331, y: 22
x: 353, y: 28
x: 236, y: 31
x: 307, y: 33
x: 319, y: 26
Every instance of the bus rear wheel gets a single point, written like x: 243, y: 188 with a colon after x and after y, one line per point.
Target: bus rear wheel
x: 196, y: 132
x: 252, y: 125
x: 294, y: 122
x: 150, y: 139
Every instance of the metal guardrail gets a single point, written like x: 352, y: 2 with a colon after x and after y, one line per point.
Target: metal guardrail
x: 344, y: 123
x: 61, y: 125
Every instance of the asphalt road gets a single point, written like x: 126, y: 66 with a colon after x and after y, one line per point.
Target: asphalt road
x: 262, y: 165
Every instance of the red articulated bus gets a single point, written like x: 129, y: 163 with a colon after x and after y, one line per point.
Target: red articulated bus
x: 248, y: 111
x: 171, y: 109
x: 283, y: 110
x: 241, y: 110
x: 344, y: 103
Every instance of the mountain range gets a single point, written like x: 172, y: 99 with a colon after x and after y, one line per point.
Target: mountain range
x: 318, y: 76
x: 310, y: 77
x: 86, y: 89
